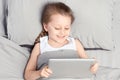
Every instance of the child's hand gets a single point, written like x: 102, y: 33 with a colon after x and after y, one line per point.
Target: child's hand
x: 45, y: 72
x: 94, y: 68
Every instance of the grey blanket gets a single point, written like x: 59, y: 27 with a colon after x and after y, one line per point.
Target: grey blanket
x: 13, y: 60
x: 60, y: 54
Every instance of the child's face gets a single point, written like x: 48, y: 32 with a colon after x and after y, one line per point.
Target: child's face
x: 58, y: 28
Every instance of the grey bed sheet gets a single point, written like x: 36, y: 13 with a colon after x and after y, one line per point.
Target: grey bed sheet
x: 13, y: 59
x: 59, y: 54
x: 103, y: 73
x: 107, y: 73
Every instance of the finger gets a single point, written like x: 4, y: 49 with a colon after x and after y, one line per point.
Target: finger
x: 93, y: 70
x: 49, y: 71
x: 46, y: 74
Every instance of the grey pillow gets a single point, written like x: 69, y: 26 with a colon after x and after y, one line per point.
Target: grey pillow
x: 60, y: 54
x: 23, y: 20
x: 2, y: 30
x: 93, y: 22
x: 13, y: 60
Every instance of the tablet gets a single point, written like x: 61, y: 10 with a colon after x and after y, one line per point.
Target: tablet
x: 70, y: 68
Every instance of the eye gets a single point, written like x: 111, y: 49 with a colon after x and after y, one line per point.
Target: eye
x: 67, y: 28
x: 57, y: 28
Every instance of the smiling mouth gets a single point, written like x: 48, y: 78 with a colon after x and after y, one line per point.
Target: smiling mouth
x: 61, y: 37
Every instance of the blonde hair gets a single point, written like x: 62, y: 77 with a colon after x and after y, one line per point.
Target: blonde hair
x: 51, y: 9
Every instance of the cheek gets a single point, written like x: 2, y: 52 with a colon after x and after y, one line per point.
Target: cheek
x: 52, y: 32
x: 68, y: 32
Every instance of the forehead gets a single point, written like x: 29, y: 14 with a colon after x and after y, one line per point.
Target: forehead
x: 60, y: 19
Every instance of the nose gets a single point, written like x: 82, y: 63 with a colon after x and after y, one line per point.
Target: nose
x: 62, y: 31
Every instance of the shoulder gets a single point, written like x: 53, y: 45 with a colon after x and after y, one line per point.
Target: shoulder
x: 36, y: 45
x: 78, y: 43
x: 36, y: 49
x: 75, y: 40
x: 42, y: 38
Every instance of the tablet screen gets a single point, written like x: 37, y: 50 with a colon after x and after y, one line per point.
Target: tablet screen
x: 70, y: 68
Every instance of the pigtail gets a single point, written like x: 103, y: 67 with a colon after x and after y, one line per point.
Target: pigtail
x: 42, y: 34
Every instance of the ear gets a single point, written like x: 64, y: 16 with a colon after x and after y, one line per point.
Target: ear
x: 45, y: 27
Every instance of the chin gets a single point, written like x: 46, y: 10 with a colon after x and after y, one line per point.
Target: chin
x: 59, y: 40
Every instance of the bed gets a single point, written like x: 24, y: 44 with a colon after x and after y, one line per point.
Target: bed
x: 96, y: 26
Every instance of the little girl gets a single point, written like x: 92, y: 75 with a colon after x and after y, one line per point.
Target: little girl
x: 56, y: 21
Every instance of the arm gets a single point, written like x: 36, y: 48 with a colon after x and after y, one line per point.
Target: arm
x: 30, y: 72
x: 82, y: 54
x: 80, y: 49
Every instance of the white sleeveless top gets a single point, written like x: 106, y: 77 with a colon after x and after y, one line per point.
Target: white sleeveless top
x: 45, y: 47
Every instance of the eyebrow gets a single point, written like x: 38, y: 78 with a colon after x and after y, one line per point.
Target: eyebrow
x: 58, y: 25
